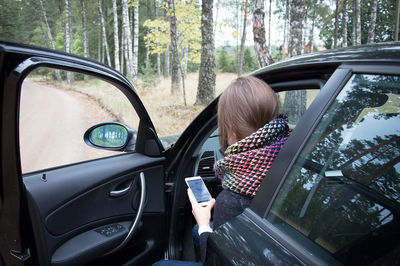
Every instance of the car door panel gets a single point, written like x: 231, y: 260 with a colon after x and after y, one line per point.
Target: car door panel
x: 57, y: 215
x: 74, y: 204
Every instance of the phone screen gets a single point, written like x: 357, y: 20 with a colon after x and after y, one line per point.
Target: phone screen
x: 199, y: 190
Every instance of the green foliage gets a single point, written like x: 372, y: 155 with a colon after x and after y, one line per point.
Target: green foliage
x: 226, y: 62
x: 249, y: 60
x: 189, y: 34
x: 78, y: 46
x: 149, y: 77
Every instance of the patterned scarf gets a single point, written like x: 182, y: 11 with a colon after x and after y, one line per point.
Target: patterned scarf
x: 247, y: 161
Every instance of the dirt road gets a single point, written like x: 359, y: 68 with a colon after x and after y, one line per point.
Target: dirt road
x: 52, y: 124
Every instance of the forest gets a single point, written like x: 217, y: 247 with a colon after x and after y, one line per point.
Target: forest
x: 150, y: 40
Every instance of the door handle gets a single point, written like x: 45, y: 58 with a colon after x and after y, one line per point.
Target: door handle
x: 119, y: 193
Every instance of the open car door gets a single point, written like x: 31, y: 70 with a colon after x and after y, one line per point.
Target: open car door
x: 62, y: 204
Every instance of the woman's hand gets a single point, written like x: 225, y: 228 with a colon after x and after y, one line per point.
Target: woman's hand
x: 202, y: 214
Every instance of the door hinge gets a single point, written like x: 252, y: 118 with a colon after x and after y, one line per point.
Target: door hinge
x: 169, y: 187
x: 21, y: 255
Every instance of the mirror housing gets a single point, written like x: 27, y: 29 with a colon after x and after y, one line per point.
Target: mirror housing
x: 111, y: 136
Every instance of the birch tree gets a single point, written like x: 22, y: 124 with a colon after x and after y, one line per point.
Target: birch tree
x: 372, y: 21
x: 243, y: 40
x: 84, y: 33
x: 67, y: 40
x: 335, y: 35
x: 262, y: 52
x: 356, y: 36
x: 175, y: 75
x: 397, y: 22
x: 207, y: 75
x: 295, y: 101
x: 104, y: 33
x: 344, y: 23
x: 49, y: 35
x: 313, y: 17
x: 135, y: 41
x: 127, y: 38
x: 297, y: 14
x: 116, y: 36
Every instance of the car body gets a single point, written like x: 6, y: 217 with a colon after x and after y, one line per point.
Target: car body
x: 331, y: 196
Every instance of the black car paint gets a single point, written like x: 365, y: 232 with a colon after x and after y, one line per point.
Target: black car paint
x: 23, y: 215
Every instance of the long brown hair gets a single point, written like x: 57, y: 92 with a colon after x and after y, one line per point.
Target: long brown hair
x: 245, y: 106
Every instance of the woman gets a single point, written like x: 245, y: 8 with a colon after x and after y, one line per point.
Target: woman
x: 252, y: 133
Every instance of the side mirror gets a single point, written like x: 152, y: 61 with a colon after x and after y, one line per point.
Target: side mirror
x: 111, y: 136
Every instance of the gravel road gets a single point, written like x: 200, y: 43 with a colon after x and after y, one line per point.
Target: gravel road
x: 52, y: 124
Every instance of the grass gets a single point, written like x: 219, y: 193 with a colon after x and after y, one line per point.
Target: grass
x: 169, y: 114
x: 167, y: 111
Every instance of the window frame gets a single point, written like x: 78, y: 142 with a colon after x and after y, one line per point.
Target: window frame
x: 284, y: 162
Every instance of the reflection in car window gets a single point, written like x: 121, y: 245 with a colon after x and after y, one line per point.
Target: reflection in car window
x: 344, y: 191
x: 294, y: 103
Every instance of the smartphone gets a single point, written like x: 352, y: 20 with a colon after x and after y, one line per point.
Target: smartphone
x: 199, y: 189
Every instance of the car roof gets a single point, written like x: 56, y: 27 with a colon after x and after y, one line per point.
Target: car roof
x: 323, y: 63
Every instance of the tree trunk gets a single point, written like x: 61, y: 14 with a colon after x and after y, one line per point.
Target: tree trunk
x: 99, y: 45
x: 269, y: 26
x: 207, y: 72
x: 175, y: 75
x: 397, y: 17
x: 242, y: 42
x: 39, y: 18
x: 335, y: 36
x: 286, y: 29
x: 344, y: 23
x: 312, y: 26
x: 297, y: 14
x: 295, y: 101
x: 262, y: 52
x: 166, y: 62
x: 303, y: 43
x: 356, y: 23
x: 122, y: 53
x: 158, y: 53
x: 68, y: 36
x: 116, y: 37
x: 84, y: 33
x: 104, y: 33
x: 50, y: 36
x: 127, y: 38
x: 135, y: 42
x: 372, y: 25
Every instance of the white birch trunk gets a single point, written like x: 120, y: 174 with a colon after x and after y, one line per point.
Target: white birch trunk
x: 67, y: 36
x: 242, y: 42
x: 311, y: 39
x: 335, y: 35
x: 84, y: 33
x: 304, y: 42
x: 166, y: 62
x: 286, y: 30
x: 104, y: 33
x: 344, y: 23
x: 358, y: 25
x: 371, y: 30
x: 116, y: 38
x: 50, y: 36
x: 297, y: 13
x: 135, y: 42
x: 127, y: 38
x: 262, y: 52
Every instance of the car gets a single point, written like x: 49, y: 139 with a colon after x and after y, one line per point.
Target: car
x: 331, y: 196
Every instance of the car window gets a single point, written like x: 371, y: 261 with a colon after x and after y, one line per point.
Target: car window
x: 343, y: 193
x: 294, y: 103
x: 54, y: 116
